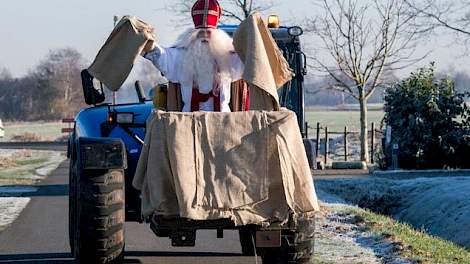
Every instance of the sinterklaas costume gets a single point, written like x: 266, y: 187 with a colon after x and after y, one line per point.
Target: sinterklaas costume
x: 206, y: 14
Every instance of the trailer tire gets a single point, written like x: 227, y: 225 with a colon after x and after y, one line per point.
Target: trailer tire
x: 297, y: 246
x: 247, y: 240
x: 97, y: 219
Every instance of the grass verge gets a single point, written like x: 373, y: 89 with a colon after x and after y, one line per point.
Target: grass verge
x: 23, y: 164
x: 30, y: 161
x: 412, y: 244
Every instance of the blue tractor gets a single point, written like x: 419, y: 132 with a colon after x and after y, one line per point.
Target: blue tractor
x: 104, y: 150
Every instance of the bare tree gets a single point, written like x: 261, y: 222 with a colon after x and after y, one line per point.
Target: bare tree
x: 50, y: 91
x: 61, y: 69
x: 362, y: 40
x: 448, y: 14
x: 4, y: 73
x: 64, y: 65
x: 237, y: 10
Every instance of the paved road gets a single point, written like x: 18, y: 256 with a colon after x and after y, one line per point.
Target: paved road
x: 40, y: 235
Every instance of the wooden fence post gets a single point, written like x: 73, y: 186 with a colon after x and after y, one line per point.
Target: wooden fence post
x: 326, y: 145
x: 317, y: 146
x: 372, y: 143
x: 345, y: 143
x: 70, y: 122
x: 306, y: 130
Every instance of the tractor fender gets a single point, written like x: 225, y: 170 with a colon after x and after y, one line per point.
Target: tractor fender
x: 101, y: 153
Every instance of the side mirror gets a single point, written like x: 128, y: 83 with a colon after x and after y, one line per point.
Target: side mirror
x: 93, y: 96
x: 140, y: 92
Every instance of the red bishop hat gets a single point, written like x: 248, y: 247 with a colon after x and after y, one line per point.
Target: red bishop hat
x: 206, y: 13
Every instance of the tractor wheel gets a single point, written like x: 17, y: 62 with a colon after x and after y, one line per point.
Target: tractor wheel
x: 98, y: 216
x: 297, y: 246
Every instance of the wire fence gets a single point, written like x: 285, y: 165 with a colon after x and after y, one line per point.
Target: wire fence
x: 342, y: 145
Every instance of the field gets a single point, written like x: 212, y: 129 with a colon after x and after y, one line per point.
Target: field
x: 47, y: 131
x: 337, y: 120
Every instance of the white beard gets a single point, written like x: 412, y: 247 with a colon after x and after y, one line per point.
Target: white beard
x: 202, y: 60
x: 199, y: 66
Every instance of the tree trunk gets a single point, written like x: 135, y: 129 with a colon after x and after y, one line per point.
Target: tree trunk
x: 364, y: 132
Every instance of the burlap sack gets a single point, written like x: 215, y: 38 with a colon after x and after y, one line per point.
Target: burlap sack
x: 250, y: 167
x: 116, y: 58
x: 265, y: 66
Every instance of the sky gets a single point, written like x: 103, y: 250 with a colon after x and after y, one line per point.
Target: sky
x: 30, y: 28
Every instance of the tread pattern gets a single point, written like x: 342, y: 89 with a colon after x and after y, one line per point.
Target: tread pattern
x: 100, y: 216
x: 297, y: 246
x: 301, y: 242
x: 246, y: 240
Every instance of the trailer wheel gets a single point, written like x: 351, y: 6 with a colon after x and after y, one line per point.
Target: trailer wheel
x: 97, y: 218
x: 296, y: 246
x: 247, y: 240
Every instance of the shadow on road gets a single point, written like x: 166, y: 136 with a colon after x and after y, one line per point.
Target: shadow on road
x: 37, y: 258
x: 131, y: 256
x: 178, y: 254
x: 42, y: 190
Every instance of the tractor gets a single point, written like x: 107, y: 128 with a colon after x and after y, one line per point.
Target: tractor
x: 104, y: 150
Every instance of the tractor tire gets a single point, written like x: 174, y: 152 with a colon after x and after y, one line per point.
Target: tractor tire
x: 97, y: 216
x: 297, y: 246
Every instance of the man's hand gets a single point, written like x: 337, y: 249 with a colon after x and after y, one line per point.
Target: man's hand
x: 150, y: 45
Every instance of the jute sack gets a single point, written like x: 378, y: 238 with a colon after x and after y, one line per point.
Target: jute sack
x: 265, y: 66
x: 250, y: 167
x: 116, y: 58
